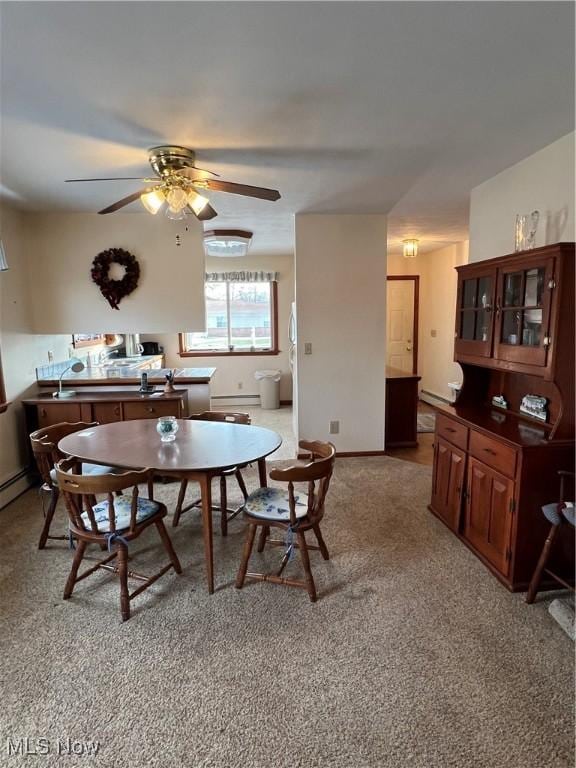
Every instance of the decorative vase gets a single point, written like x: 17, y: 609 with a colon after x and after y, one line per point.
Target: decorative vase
x: 167, y: 426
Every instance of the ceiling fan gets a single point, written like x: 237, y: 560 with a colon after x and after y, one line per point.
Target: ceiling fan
x: 175, y: 188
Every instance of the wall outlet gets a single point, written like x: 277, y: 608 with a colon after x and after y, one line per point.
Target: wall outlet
x: 433, y: 333
x: 50, y: 356
x: 334, y: 427
x: 307, y: 348
x: 240, y: 385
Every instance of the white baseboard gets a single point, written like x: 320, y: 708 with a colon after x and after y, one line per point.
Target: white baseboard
x: 15, y: 487
x: 234, y: 400
x: 433, y: 399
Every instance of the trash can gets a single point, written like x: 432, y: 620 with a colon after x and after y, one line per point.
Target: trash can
x: 269, y: 388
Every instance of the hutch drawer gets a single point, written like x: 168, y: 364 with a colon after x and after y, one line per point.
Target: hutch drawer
x: 494, y: 453
x: 452, y: 430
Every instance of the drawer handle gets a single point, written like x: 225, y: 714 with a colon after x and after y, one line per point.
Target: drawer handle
x: 490, y: 451
x: 150, y: 410
x: 43, y: 412
x: 449, y: 429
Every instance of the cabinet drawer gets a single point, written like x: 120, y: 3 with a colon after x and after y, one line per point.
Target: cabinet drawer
x: 106, y: 413
x: 495, y: 454
x: 151, y: 410
x: 54, y: 413
x: 452, y: 431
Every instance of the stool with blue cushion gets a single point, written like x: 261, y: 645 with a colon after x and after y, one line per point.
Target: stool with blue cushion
x: 559, y: 514
x: 112, y: 523
x: 45, y: 449
x: 293, y: 511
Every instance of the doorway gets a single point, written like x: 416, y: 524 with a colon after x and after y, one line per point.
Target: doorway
x: 402, y: 322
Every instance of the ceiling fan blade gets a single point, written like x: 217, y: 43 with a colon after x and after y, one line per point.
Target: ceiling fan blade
x: 205, y: 214
x: 125, y: 201
x: 240, y: 189
x: 115, y: 178
x: 198, y: 170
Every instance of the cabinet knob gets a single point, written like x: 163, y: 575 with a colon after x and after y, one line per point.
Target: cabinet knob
x: 150, y: 409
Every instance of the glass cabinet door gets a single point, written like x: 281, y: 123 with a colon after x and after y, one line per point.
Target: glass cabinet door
x: 474, y: 316
x: 522, y: 311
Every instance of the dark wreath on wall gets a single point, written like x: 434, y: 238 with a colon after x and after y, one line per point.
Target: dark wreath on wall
x: 115, y: 290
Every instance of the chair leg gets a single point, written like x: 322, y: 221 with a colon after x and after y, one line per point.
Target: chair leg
x: 247, y: 551
x: 122, y: 564
x: 306, y: 563
x: 535, y: 580
x: 179, y: 503
x: 71, y: 581
x: 241, y: 483
x: 223, y: 507
x: 321, y: 542
x: 54, y: 494
x: 264, y: 533
x: 168, y: 545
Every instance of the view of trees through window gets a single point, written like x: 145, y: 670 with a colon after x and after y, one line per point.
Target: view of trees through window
x: 239, y: 318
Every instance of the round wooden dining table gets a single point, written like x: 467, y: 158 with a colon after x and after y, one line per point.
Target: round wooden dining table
x: 201, y: 451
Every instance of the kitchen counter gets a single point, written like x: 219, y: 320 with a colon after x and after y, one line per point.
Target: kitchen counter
x: 129, y: 375
x: 107, y: 378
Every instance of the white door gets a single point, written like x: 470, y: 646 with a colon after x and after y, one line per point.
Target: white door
x: 400, y: 324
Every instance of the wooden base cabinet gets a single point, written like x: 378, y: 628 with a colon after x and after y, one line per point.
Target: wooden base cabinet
x: 448, y: 482
x: 489, y: 492
x: 488, y: 514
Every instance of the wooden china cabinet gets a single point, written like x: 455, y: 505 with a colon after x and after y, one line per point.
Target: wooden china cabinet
x: 495, y: 467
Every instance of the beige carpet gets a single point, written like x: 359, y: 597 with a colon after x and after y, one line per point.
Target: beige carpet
x: 414, y: 656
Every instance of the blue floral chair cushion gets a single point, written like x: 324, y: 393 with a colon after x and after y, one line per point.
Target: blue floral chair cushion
x: 90, y: 469
x: 122, y: 508
x: 273, y: 504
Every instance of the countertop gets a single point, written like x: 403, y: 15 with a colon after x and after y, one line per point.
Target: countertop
x: 129, y: 375
x: 397, y: 373
x: 93, y: 397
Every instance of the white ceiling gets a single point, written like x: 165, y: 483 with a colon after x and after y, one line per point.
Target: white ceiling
x: 387, y: 107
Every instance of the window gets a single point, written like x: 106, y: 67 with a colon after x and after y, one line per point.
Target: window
x: 241, y: 319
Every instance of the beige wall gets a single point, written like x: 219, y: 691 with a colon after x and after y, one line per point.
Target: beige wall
x: 438, y: 282
x: 340, y: 264
x: 21, y: 352
x: 544, y: 182
x: 232, y: 371
x: 64, y: 299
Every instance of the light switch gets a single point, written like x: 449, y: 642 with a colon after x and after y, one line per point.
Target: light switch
x: 307, y: 348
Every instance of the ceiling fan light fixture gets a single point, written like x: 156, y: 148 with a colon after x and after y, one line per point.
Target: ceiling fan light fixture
x: 227, y: 242
x: 410, y: 248
x: 196, y: 202
x: 153, y: 201
x: 177, y: 199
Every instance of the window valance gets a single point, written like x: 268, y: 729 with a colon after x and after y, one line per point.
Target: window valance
x: 241, y: 277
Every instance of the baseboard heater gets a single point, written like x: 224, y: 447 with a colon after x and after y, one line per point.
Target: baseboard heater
x: 26, y: 475
x: 430, y: 397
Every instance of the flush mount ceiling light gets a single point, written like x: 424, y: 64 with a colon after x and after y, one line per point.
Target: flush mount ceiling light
x: 175, y: 189
x: 227, y: 242
x: 410, y: 248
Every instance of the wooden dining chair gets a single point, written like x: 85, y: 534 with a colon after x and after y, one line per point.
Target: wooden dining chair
x: 559, y: 515
x: 226, y: 513
x: 293, y: 511
x: 44, y: 444
x: 113, y: 522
